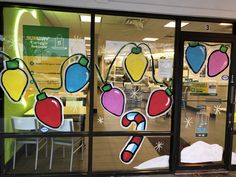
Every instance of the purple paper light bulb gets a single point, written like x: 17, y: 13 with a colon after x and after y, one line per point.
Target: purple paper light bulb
x: 218, y: 61
x: 113, y: 100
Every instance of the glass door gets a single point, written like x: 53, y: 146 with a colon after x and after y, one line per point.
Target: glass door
x: 206, y: 105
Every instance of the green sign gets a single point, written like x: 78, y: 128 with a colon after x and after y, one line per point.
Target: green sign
x: 45, y: 41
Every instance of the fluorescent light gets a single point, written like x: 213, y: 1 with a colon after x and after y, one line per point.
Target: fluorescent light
x: 225, y: 24
x: 150, y: 39
x: 87, y: 38
x: 168, y: 50
x: 34, y: 14
x: 87, y: 18
x: 172, y: 24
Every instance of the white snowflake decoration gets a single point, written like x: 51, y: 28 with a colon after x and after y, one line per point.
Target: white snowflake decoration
x: 159, y: 146
x: 188, y: 121
x: 100, y: 120
x: 217, y: 109
x: 134, y: 94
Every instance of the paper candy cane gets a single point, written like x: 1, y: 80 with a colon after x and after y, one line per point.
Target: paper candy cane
x: 134, y: 143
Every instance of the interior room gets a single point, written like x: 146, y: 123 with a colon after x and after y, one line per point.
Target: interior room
x: 49, y: 43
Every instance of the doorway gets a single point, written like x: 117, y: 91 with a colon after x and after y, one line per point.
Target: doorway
x: 207, y: 102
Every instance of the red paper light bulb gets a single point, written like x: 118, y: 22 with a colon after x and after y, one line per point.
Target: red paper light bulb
x: 159, y: 102
x: 48, y: 110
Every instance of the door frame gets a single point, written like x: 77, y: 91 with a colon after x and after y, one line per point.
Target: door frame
x: 178, y: 75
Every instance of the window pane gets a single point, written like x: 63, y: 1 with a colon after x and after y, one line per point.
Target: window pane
x: 130, y: 74
x: 51, y: 44
x: 204, y: 101
x: 110, y: 154
x: 25, y: 161
x: 50, y: 47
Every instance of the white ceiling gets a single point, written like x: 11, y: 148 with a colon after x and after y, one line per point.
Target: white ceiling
x: 119, y: 28
x: 194, y: 8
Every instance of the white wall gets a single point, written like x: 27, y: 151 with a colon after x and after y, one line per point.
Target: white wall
x: 203, y: 8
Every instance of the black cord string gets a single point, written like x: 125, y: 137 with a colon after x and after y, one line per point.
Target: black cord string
x: 113, y: 61
x: 35, y: 83
x: 153, y: 66
x: 213, y: 45
x: 99, y: 74
x: 4, y: 54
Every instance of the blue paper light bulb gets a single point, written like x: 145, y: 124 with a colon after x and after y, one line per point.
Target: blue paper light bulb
x: 77, y: 75
x: 195, y: 56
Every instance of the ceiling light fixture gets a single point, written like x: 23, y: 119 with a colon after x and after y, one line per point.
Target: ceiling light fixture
x: 168, y: 50
x: 172, y: 24
x: 225, y: 24
x: 87, y: 38
x: 87, y: 18
x: 150, y: 39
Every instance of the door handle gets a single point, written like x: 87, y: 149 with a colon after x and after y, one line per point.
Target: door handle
x: 232, y: 97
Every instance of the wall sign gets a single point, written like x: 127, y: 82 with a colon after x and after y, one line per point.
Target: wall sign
x: 165, y: 68
x: 44, y: 50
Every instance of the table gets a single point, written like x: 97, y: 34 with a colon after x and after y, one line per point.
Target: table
x: 75, y: 112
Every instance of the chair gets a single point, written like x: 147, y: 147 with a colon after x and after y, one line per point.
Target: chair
x: 74, y: 142
x: 27, y: 124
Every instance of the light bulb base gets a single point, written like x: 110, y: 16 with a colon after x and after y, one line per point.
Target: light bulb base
x: 193, y: 44
x: 12, y: 64
x: 136, y: 50
x: 106, y: 87
x: 83, y: 61
x: 223, y: 48
x: 41, y: 96
x: 168, y: 92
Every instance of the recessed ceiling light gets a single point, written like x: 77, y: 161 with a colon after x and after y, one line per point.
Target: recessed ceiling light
x: 225, y: 24
x: 169, y: 50
x: 87, y: 18
x: 87, y: 38
x: 150, y: 39
x: 172, y: 24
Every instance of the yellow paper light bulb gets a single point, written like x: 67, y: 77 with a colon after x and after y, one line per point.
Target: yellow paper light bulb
x: 14, y: 80
x: 136, y: 64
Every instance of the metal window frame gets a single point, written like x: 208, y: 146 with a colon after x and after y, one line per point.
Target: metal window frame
x: 175, y: 123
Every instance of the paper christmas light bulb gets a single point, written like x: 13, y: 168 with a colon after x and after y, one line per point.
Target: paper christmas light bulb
x: 49, y: 111
x: 136, y: 64
x: 113, y: 100
x: 159, y: 102
x: 218, y: 61
x: 77, y: 75
x: 195, y: 56
x: 14, y: 80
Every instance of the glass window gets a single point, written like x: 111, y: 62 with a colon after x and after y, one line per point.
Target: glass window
x: 49, y: 48
x: 45, y: 80
x: 45, y: 158
x: 135, y: 65
x: 116, y: 154
x: 204, y: 101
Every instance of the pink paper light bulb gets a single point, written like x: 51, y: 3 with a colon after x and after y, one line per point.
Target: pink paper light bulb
x: 218, y: 61
x: 113, y: 100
